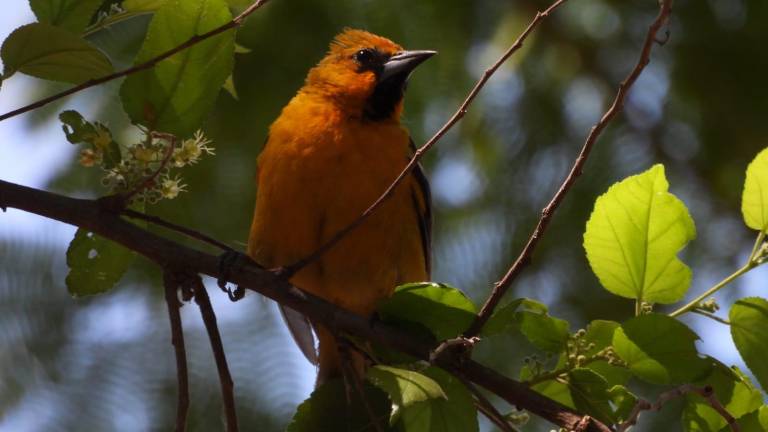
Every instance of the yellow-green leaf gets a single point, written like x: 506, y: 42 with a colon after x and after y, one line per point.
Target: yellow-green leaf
x: 754, y: 200
x: 633, y: 236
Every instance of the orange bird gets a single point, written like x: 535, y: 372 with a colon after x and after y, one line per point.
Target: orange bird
x: 335, y: 148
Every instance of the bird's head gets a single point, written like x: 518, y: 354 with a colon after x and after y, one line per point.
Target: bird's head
x: 365, y: 74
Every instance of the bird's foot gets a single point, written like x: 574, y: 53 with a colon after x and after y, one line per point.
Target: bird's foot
x: 229, y: 261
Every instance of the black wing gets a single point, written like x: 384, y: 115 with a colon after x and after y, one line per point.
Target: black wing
x: 422, y: 203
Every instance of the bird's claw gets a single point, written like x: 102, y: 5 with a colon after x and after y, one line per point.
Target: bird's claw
x: 229, y: 261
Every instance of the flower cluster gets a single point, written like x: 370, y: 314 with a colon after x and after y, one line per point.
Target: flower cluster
x: 141, y: 172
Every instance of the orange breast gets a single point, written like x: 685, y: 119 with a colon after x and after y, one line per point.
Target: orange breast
x: 318, y: 172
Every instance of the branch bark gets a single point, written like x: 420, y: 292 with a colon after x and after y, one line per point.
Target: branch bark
x: 501, y: 287
x: 177, y: 339
x: 225, y: 378
x: 88, y: 214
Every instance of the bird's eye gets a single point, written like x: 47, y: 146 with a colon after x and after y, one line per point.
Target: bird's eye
x: 364, y: 56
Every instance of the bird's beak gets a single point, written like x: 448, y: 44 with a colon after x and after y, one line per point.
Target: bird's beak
x: 404, y: 62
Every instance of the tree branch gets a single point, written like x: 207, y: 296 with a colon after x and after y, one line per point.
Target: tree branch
x: 225, y: 379
x: 89, y: 215
x: 501, y: 287
x: 458, y: 115
x: 171, y: 286
x: 706, y: 392
x: 194, y: 40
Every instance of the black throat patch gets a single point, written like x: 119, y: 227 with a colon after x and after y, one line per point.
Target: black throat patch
x: 387, y: 94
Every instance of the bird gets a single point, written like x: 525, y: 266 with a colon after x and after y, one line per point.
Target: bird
x: 333, y: 150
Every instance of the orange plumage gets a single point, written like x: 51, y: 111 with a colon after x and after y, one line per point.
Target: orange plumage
x: 333, y: 150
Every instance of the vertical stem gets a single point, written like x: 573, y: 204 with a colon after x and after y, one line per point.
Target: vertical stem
x: 225, y: 379
x: 177, y: 339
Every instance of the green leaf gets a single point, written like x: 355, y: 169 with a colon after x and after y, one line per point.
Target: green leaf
x: 600, y: 333
x: 229, y: 86
x: 659, y: 349
x: 731, y: 388
x: 623, y: 400
x: 143, y: 5
x: 328, y: 409
x: 404, y: 387
x: 590, y: 394
x: 95, y: 264
x: 754, y: 200
x: 756, y: 421
x: 633, y: 236
x: 177, y: 94
x: 52, y: 53
x: 504, y: 319
x: 749, y: 322
x: 555, y: 390
x: 543, y: 331
x: 99, y: 137
x: 443, y: 309
x: 455, y: 413
x: 72, y: 15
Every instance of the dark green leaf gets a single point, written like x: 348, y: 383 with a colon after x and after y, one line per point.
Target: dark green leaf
x: 95, y: 264
x: 543, y: 331
x: 72, y: 15
x: 177, y: 94
x: 659, y: 349
x: 404, y: 387
x: 589, y: 392
x: 444, y: 310
x: 749, y: 329
x: 52, y: 53
x: 329, y: 409
x: 531, y: 318
x: 455, y: 413
x: 503, y: 318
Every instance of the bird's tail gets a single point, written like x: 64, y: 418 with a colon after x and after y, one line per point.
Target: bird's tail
x: 332, y: 358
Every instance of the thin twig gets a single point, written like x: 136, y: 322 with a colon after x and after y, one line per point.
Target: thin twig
x: 177, y: 339
x: 351, y: 375
x: 501, y: 287
x: 236, y: 22
x: 458, y: 115
x: 486, y: 407
x: 133, y: 214
x: 711, y: 316
x: 225, y: 379
x: 150, y: 181
x: 706, y: 392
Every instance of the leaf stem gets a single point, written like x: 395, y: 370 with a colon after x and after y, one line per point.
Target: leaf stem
x: 711, y: 316
x: 752, y: 262
x: 695, y: 302
x: 756, y: 247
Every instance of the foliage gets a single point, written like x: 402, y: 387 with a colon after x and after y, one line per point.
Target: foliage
x: 632, y: 241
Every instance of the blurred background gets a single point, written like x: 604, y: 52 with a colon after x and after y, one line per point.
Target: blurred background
x: 106, y: 364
